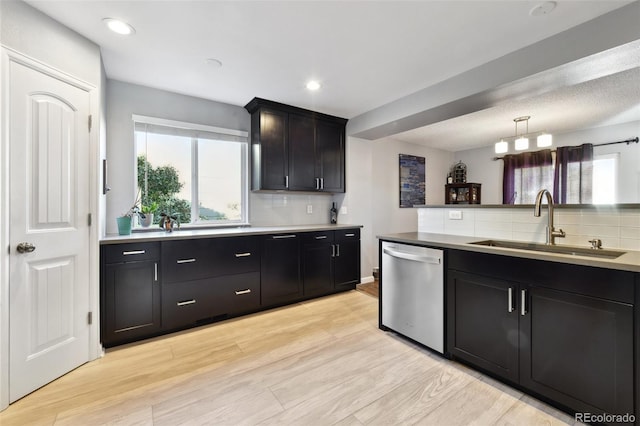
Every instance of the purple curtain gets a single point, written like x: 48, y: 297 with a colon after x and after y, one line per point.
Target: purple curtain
x: 573, y: 175
x: 516, y: 162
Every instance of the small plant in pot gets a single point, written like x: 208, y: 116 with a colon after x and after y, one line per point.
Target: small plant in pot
x: 146, y: 213
x: 124, y: 221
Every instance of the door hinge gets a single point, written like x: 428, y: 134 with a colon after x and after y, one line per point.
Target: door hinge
x: 90, y: 121
x: 89, y: 219
x: 90, y: 318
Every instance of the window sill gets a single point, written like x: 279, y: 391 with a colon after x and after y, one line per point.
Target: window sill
x: 192, y: 227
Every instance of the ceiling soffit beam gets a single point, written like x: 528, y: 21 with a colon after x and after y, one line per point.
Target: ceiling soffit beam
x: 582, y: 53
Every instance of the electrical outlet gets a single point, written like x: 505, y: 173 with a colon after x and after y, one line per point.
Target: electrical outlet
x: 455, y: 214
x: 309, y: 208
x: 343, y: 210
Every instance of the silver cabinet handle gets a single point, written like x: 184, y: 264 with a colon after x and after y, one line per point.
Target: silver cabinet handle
x: 129, y: 253
x: 155, y: 271
x: 247, y: 254
x: 317, y: 183
x: 186, y: 302
x: 523, y: 302
x: 321, y: 237
x: 286, y: 181
x: 510, y: 305
x: 185, y: 260
x: 239, y: 292
x: 349, y: 235
x: 321, y: 183
x: 280, y: 237
x: 337, y: 250
x: 333, y: 250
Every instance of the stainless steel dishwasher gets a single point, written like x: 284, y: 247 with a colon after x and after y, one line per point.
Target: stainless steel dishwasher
x: 412, y: 293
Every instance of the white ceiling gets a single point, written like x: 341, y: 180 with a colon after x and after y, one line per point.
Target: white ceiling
x: 365, y: 53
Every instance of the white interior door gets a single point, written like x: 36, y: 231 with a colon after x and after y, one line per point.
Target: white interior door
x: 49, y: 207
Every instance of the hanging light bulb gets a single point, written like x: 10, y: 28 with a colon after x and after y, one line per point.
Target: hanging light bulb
x: 522, y: 143
x: 544, y: 140
x: 502, y: 147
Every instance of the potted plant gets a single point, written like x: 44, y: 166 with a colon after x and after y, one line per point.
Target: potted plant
x: 124, y: 221
x: 146, y: 213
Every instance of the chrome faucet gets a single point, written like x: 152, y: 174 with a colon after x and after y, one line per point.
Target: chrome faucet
x: 552, y: 234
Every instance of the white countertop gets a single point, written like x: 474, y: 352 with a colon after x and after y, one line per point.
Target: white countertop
x: 630, y: 261
x: 183, y: 234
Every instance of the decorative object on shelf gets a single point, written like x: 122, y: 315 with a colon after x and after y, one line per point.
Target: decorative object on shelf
x: 333, y: 214
x: 459, y: 172
x: 167, y: 222
x: 462, y: 193
x: 521, y: 140
x: 412, y: 180
x: 449, y: 178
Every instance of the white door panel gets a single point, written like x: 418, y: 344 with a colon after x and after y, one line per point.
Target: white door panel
x: 49, y: 204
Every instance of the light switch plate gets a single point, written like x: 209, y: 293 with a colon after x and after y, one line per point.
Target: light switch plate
x: 343, y: 210
x: 309, y: 208
x: 455, y: 214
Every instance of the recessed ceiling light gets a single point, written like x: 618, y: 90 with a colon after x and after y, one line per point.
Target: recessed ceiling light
x: 118, y: 26
x: 313, y: 85
x: 543, y: 8
x: 215, y: 63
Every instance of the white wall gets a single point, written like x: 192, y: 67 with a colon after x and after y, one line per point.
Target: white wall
x: 387, y: 216
x: 482, y: 169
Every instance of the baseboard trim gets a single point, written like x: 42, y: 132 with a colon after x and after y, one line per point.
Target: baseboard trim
x: 368, y: 279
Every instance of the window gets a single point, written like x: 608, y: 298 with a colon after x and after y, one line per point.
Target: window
x: 605, y: 172
x: 197, y: 173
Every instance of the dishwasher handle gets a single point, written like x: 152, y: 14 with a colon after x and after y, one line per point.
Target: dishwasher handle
x: 413, y: 257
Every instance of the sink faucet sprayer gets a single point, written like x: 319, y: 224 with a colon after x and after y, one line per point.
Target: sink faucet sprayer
x: 551, y: 232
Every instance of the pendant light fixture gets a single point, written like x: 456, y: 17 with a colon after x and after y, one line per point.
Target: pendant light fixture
x: 521, y: 139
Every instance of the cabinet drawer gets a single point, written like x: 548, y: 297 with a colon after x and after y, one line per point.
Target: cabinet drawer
x: 348, y: 234
x: 235, y: 255
x: 318, y: 237
x: 187, y: 260
x: 241, y: 292
x: 185, y: 303
x: 130, y: 252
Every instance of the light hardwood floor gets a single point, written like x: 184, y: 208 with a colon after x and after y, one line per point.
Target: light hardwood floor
x: 319, y: 362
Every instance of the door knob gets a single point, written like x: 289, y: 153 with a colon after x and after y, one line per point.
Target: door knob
x: 25, y: 248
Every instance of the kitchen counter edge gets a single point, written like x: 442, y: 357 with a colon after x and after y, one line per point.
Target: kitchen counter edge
x: 185, y: 234
x: 630, y: 261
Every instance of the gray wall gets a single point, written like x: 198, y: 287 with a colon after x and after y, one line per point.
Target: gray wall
x: 124, y: 100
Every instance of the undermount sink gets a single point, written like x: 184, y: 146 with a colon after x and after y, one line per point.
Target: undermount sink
x: 574, y: 251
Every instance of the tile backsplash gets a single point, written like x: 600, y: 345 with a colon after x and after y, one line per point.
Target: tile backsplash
x: 617, y: 228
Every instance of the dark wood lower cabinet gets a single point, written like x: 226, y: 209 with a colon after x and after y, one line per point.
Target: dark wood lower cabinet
x: 563, y: 332
x: 157, y: 287
x: 280, y: 269
x: 484, y: 329
x: 578, y: 350
x: 130, y: 300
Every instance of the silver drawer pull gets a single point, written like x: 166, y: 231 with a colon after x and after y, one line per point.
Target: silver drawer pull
x: 185, y: 260
x: 349, y: 235
x: 279, y: 237
x: 243, y: 254
x: 186, y: 302
x: 322, y: 237
x: 239, y: 292
x: 129, y: 253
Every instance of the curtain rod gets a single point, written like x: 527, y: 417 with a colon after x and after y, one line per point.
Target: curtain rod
x: 627, y: 141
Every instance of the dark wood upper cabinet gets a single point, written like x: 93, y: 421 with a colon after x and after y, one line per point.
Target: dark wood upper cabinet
x: 296, y: 149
